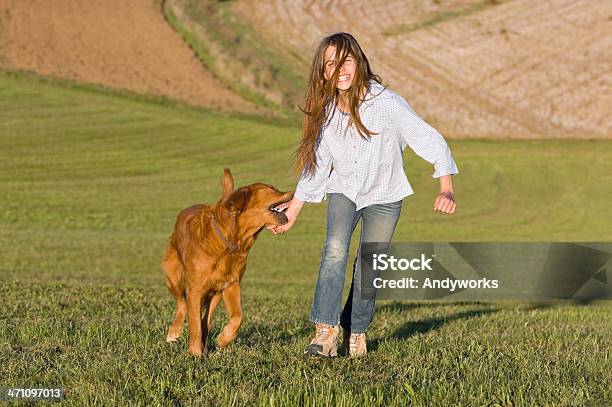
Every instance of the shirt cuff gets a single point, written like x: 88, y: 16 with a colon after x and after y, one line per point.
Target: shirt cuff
x: 445, y: 166
x: 309, y: 196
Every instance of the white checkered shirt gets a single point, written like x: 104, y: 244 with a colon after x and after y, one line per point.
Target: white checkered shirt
x: 372, y: 171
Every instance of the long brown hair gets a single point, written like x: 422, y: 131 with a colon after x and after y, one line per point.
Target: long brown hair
x: 320, y: 93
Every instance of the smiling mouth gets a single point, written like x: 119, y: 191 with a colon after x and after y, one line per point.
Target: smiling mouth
x: 343, y: 78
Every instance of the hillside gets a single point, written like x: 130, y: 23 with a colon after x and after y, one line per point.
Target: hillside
x: 474, y: 68
x: 119, y: 44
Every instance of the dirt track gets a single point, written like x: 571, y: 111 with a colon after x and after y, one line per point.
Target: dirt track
x: 522, y: 68
x: 121, y: 44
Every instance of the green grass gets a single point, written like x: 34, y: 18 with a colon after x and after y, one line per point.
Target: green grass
x: 91, y: 181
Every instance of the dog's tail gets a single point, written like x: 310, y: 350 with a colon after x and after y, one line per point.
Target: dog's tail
x: 174, y: 272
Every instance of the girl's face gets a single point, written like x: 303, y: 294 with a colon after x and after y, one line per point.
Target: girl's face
x: 347, y: 70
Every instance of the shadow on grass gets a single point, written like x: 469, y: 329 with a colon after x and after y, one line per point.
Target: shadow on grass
x: 254, y: 335
x: 278, y: 333
x: 413, y: 328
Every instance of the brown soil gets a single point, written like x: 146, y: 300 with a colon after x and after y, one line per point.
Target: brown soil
x: 117, y: 43
x: 521, y: 68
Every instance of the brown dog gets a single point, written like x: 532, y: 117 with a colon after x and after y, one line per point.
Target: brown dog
x: 206, y: 257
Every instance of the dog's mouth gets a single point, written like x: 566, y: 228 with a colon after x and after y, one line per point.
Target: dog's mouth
x: 278, y: 210
x: 279, y: 207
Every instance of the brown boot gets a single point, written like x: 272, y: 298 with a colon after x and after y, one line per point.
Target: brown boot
x: 357, y: 345
x: 324, y: 345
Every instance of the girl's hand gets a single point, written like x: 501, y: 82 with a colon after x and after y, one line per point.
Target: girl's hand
x: 445, y: 203
x: 295, y: 206
x: 281, y: 229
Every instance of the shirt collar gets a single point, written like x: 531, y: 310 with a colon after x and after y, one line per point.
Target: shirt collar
x: 375, y: 90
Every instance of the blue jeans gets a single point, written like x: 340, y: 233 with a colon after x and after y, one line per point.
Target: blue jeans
x: 378, y: 225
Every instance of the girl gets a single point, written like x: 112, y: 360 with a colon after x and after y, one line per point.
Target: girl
x: 354, y: 133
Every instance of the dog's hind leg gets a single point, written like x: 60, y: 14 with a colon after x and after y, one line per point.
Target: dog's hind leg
x: 174, y: 281
x: 231, y: 299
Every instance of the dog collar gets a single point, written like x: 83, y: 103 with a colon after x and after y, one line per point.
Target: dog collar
x: 232, y: 247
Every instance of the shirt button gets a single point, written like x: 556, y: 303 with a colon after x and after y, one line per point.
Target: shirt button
x: 355, y: 162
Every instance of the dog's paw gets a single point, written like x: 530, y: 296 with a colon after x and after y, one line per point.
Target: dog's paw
x: 173, y: 333
x: 198, y: 352
x: 222, y: 342
x: 172, y: 336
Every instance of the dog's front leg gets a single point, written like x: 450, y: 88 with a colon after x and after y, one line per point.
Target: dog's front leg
x: 198, y: 330
x: 231, y: 299
x: 211, y: 309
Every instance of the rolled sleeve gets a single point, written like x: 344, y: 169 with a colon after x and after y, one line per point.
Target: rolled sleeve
x: 445, y: 164
x: 312, y: 188
x: 422, y: 138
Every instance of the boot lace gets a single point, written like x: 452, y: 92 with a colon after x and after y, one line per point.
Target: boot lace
x: 354, y: 340
x: 323, y: 332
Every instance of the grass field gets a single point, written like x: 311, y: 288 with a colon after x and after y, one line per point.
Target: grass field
x: 91, y: 181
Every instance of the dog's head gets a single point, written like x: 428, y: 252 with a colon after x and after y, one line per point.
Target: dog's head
x: 259, y: 203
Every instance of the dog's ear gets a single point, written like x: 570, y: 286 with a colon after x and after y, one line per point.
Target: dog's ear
x: 227, y: 183
x: 237, y: 201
